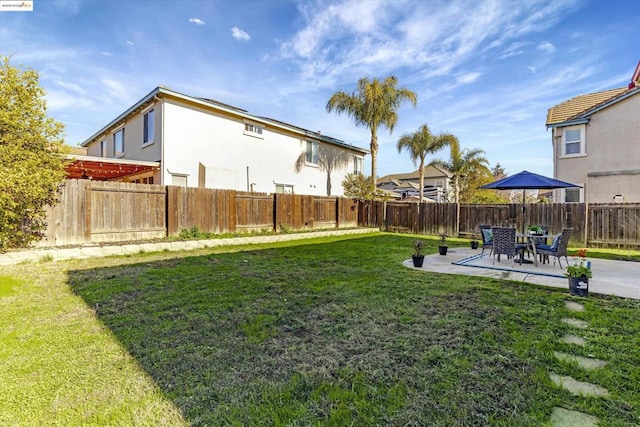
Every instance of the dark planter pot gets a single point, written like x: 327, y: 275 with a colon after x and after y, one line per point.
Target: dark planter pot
x: 443, y: 250
x: 474, y: 245
x: 418, y: 260
x: 579, y: 286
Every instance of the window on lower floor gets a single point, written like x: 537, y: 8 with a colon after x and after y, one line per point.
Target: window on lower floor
x: 118, y: 143
x: 312, y: 153
x: 572, y: 195
x: 284, y: 189
x: 179, y: 180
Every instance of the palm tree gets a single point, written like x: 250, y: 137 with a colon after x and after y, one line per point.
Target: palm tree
x: 373, y: 104
x: 420, y: 144
x: 462, y: 164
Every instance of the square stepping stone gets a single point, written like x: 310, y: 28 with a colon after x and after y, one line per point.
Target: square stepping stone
x: 572, y: 339
x: 578, y: 388
x: 587, y: 363
x: 561, y: 417
x: 575, y: 322
x: 573, y: 306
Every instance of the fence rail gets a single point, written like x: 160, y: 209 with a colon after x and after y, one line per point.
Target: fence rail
x: 96, y: 212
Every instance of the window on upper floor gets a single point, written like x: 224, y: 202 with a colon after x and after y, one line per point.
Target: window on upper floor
x: 312, y: 153
x: 254, y: 130
x: 118, y: 143
x: 103, y: 148
x: 573, y: 141
x: 149, y: 127
x: 358, y: 165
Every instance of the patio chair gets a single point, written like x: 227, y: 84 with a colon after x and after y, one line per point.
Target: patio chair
x: 504, y: 243
x: 487, y: 238
x: 557, y: 249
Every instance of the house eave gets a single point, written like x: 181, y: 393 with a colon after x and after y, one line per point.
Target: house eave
x: 230, y: 111
x: 581, y: 121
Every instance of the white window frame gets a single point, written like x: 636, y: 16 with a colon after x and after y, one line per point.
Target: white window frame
x: 148, y: 132
x: 581, y: 141
x: 580, y: 192
x: 358, y: 165
x: 117, y: 153
x: 254, y: 130
x: 284, y: 188
x: 312, y: 156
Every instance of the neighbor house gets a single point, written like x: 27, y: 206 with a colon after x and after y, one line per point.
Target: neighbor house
x: 169, y: 138
x: 437, y: 183
x: 596, y: 144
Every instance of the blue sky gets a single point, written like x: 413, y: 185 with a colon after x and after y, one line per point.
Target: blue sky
x: 486, y: 71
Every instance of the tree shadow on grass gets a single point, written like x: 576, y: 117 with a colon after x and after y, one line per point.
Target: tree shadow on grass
x: 283, y: 335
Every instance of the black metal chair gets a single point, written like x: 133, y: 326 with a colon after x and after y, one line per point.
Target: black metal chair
x: 557, y: 249
x: 487, y: 238
x: 504, y: 243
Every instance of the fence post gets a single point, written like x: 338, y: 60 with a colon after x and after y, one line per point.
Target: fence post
x: 87, y: 211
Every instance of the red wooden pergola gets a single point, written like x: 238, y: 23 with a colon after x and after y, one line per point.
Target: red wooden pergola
x: 104, y: 169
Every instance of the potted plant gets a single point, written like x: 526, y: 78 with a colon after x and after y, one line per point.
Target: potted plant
x: 418, y: 254
x: 579, y: 274
x: 534, y: 229
x: 442, y: 247
x: 474, y: 240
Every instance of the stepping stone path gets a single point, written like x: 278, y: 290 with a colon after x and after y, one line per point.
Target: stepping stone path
x: 561, y: 417
x: 585, y: 362
x: 567, y: 418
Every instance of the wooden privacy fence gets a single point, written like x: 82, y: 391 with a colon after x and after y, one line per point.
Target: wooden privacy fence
x: 594, y: 225
x: 98, y: 211
x: 95, y: 212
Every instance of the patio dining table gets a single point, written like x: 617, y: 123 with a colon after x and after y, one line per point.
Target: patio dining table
x: 530, y: 240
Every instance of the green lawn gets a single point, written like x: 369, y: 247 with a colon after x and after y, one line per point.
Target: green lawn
x: 331, y: 331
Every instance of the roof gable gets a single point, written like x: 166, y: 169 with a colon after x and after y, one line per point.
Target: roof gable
x: 576, y: 106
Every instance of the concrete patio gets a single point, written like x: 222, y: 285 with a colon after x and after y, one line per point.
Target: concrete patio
x: 619, y: 278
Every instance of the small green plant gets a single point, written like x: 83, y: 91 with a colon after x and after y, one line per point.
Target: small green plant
x: 418, y: 248
x: 578, y: 269
x: 285, y: 229
x: 443, y: 239
x: 536, y: 229
x: 189, y: 233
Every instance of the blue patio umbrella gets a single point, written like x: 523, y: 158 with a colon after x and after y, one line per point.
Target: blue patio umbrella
x: 527, y: 181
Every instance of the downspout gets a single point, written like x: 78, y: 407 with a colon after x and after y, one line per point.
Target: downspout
x: 162, y: 112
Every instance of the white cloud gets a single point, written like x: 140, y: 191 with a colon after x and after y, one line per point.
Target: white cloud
x: 531, y: 68
x: 468, y: 78
x: 238, y: 34
x: 129, y: 42
x: 547, y: 47
x: 106, y: 53
x: 197, y: 21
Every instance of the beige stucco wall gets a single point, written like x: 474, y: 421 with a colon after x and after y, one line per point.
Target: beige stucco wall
x: 612, y: 143
x: 603, y: 188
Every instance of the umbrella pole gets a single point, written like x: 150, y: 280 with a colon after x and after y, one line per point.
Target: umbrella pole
x: 523, y: 209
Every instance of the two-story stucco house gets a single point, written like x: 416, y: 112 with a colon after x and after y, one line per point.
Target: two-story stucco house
x: 596, y: 144
x: 200, y: 142
x: 437, y: 184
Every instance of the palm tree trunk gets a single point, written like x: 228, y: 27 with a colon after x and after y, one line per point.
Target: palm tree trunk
x: 374, y: 155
